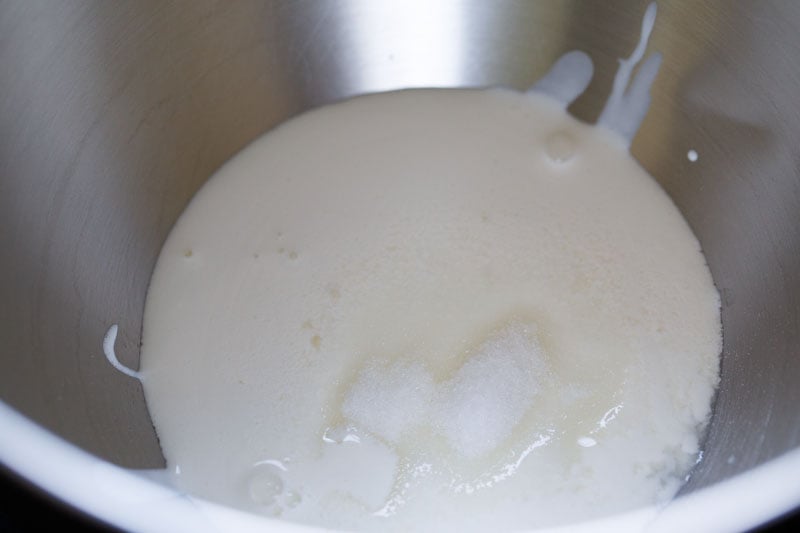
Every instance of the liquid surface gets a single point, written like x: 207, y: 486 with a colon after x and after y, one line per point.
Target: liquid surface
x: 434, y: 309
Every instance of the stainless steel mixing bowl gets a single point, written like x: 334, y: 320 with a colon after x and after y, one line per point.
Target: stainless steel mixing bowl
x: 112, y: 114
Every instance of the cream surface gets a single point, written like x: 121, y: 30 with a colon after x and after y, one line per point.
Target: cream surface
x: 429, y: 310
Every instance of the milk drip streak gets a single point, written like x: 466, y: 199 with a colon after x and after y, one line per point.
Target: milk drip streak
x: 567, y: 79
x: 628, y: 102
x: 435, y: 310
x: 108, y: 348
x: 627, y: 105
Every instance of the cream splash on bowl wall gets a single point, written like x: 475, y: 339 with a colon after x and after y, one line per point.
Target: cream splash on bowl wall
x: 436, y: 309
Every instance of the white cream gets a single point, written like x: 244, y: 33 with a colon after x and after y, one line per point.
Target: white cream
x: 629, y: 100
x: 567, y: 78
x: 109, y: 341
x: 342, y: 296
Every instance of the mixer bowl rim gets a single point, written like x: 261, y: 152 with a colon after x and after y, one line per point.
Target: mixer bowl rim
x: 131, y: 500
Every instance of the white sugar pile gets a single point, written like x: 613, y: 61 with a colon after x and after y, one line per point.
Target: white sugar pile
x: 480, y: 406
x: 390, y: 401
x: 475, y: 410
